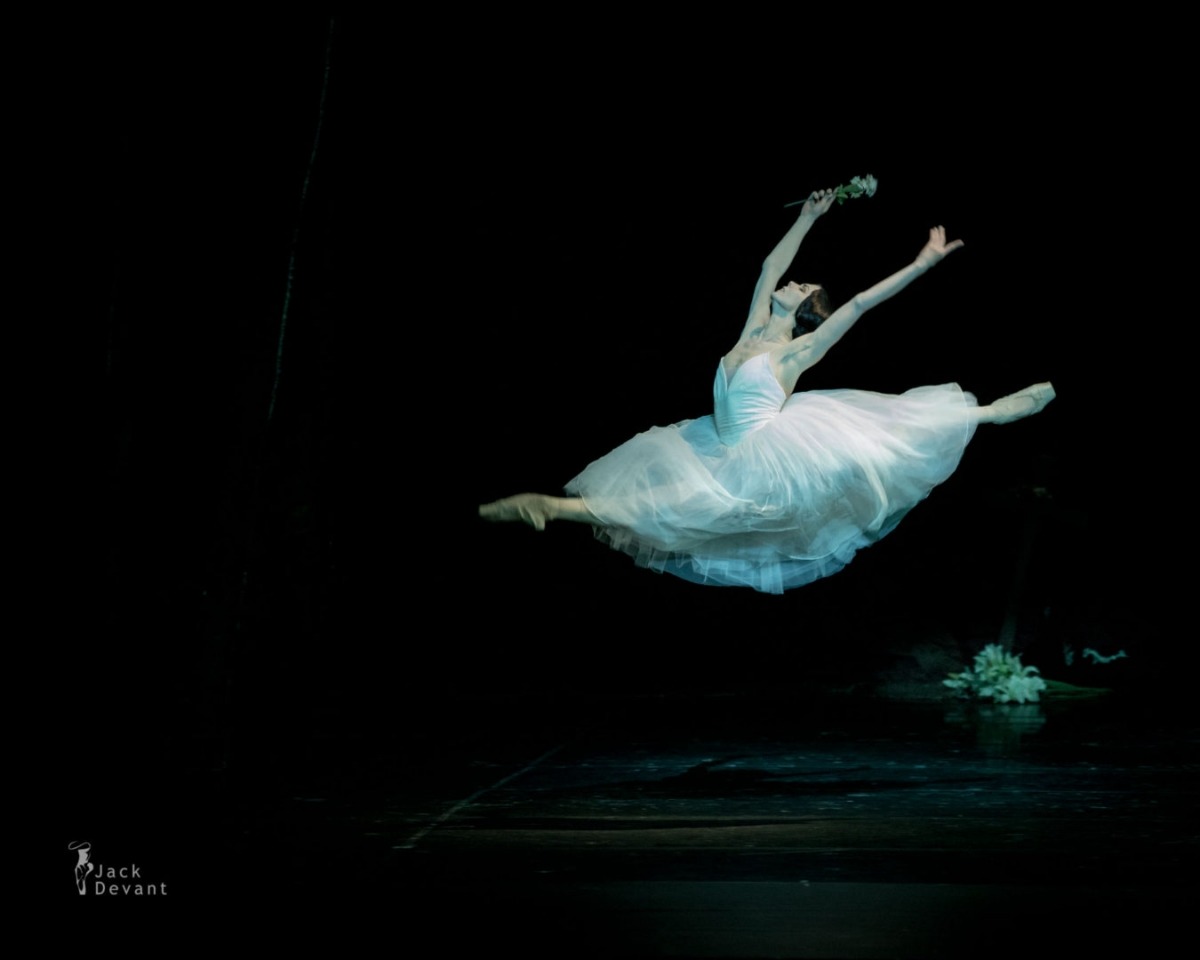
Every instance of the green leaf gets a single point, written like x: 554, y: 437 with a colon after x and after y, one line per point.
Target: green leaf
x: 1069, y: 691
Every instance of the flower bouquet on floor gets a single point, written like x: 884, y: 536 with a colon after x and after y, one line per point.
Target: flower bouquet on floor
x: 999, y: 676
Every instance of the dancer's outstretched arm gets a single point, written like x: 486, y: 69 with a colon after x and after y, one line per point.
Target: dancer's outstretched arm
x: 780, y: 259
x: 804, y: 351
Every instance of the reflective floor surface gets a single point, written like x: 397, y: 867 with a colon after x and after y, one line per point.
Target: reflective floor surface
x: 738, y: 825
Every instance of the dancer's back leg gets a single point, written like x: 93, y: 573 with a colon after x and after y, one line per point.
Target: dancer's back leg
x: 536, y: 509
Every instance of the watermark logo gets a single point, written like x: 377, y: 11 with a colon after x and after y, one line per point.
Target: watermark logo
x: 84, y: 866
x: 122, y: 881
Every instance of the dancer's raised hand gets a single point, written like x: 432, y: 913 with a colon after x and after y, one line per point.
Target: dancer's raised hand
x: 936, y: 249
x: 818, y: 202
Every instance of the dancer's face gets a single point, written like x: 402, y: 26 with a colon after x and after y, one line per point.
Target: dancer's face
x: 791, y: 296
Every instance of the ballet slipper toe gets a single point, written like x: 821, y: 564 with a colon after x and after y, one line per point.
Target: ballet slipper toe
x: 1024, y: 403
x: 524, y: 508
x: 1040, y: 393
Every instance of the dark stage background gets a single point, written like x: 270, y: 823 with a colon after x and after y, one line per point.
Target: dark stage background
x: 511, y: 256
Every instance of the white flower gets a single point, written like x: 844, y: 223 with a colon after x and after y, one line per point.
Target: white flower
x: 1022, y: 689
x: 863, y: 185
x: 999, y: 675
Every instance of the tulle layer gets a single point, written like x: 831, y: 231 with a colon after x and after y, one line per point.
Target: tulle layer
x: 788, y: 504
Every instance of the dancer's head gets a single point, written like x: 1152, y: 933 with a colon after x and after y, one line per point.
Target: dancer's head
x: 813, y: 311
x: 807, y: 303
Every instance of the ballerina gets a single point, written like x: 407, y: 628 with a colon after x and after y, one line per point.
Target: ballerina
x: 779, y: 488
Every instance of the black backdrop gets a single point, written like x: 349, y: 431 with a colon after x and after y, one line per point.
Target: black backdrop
x: 513, y: 254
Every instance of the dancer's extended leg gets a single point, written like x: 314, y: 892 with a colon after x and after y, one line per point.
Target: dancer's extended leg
x: 1017, y: 406
x: 536, y: 509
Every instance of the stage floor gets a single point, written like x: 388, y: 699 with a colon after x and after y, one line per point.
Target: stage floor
x: 743, y: 824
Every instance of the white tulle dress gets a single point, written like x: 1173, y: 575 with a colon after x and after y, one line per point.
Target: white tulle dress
x: 773, y: 492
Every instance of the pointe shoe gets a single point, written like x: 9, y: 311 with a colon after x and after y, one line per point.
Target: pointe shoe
x: 1023, y: 403
x: 530, y: 508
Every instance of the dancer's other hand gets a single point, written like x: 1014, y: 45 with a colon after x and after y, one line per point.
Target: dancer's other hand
x: 937, y: 249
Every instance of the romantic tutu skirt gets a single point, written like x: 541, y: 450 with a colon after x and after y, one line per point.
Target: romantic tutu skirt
x: 791, y: 501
